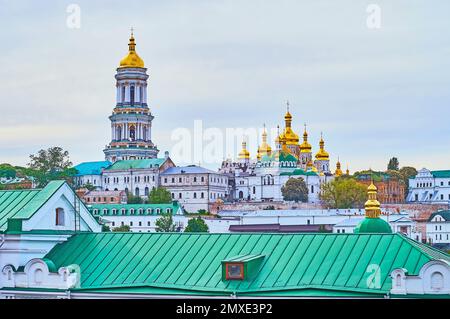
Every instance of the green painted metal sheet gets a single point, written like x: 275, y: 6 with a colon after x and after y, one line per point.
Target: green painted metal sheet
x: 22, y: 204
x: 293, y: 264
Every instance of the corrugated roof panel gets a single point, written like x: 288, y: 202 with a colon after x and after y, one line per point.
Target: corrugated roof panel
x: 152, y: 258
x: 102, y: 273
x: 351, y: 261
x: 327, y: 263
x: 362, y: 268
x: 340, y: 260
x: 318, y: 259
x: 135, y: 258
x: 332, y: 262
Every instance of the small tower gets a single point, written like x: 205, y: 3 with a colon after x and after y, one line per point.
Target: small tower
x: 244, y: 154
x: 305, y: 151
x: 264, y: 148
x: 322, y: 161
x: 338, y: 171
x: 289, y: 135
x: 131, y: 120
x: 372, y: 223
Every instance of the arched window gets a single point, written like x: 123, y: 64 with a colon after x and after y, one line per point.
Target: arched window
x: 136, y: 191
x: 146, y: 191
x: 132, y: 211
x: 59, y: 214
x: 437, y: 281
x: 241, y: 194
x: 132, y: 95
x: 123, y: 94
x: 132, y: 133
x: 118, y: 133
x: 123, y: 211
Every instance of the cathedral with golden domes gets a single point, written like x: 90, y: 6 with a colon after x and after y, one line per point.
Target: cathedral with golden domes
x: 261, y: 178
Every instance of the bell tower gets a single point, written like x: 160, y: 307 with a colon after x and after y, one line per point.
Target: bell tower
x: 131, y: 119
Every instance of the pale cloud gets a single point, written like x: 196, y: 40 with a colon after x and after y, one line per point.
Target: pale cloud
x: 374, y: 93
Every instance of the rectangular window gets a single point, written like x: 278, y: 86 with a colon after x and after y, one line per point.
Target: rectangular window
x: 235, y: 271
x: 59, y: 217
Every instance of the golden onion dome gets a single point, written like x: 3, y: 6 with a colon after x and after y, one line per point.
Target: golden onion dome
x: 289, y: 135
x: 338, y: 171
x: 264, y: 148
x: 132, y: 60
x: 322, y: 155
x: 305, y: 147
x: 244, y: 154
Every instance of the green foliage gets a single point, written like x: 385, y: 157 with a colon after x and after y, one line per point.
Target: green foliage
x: 295, y: 190
x: 202, y: 212
x: 343, y: 193
x: 122, y: 229
x: 393, y: 164
x: 8, y: 171
x: 159, y: 195
x: 88, y: 186
x: 132, y: 199
x: 196, y: 225
x: 105, y: 228
x: 270, y: 207
x: 50, y: 164
x: 406, y: 173
x: 165, y: 223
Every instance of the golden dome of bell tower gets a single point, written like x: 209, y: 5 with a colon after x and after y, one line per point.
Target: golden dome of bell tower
x: 264, y: 148
x: 132, y: 60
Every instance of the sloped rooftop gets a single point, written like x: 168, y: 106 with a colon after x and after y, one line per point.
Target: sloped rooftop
x: 190, y: 264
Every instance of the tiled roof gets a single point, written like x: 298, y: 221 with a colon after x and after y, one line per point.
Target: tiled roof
x: 187, y: 170
x: 190, y: 264
x: 133, y: 209
x: 137, y: 164
x: 91, y: 168
x: 22, y: 204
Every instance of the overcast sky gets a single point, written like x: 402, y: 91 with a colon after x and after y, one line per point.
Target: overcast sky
x: 375, y: 93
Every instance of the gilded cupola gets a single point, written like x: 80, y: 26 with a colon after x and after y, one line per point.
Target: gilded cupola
x: 244, y: 153
x: 338, y: 171
x: 372, y: 223
x: 288, y: 135
x: 264, y: 148
x: 305, y: 147
x: 322, y: 155
x: 132, y: 60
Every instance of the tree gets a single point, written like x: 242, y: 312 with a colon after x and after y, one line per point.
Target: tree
x: 54, y: 159
x: 131, y: 199
x: 393, y: 164
x: 406, y: 173
x: 122, y: 229
x: 295, y: 190
x: 159, y: 195
x: 50, y: 164
x: 343, y: 193
x: 165, y: 223
x: 88, y: 186
x: 196, y: 225
x: 105, y: 228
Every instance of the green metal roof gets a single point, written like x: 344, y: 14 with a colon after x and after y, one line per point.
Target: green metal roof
x: 299, y: 171
x: 91, y: 168
x: 444, y: 213
x: 373, y: 225
x: 133, y: 209
x: 16, y: 205
x: 191, y: 264
x: 441, y: 174
x: 136, y: 164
